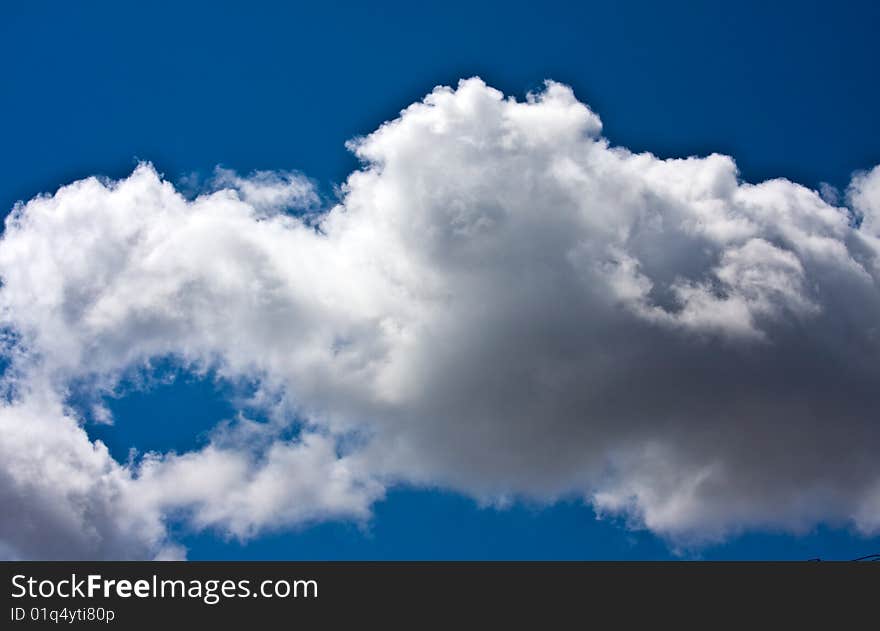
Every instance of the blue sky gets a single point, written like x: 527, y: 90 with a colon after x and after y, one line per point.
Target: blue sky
x: 788, y: 88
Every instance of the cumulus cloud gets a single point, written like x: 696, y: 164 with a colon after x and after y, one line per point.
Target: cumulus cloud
x: 63, y: 495
x: 268, y: 190
x: 501, y: 303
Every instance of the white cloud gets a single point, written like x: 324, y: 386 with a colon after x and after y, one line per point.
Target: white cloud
x: 268, y: 190
x: 63, y: 495
x: 502, y: 303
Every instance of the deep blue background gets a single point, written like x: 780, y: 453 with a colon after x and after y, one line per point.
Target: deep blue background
x: 788, y: 88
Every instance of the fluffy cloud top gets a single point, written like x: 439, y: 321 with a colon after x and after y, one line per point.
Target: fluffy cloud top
x: 501, y: 303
